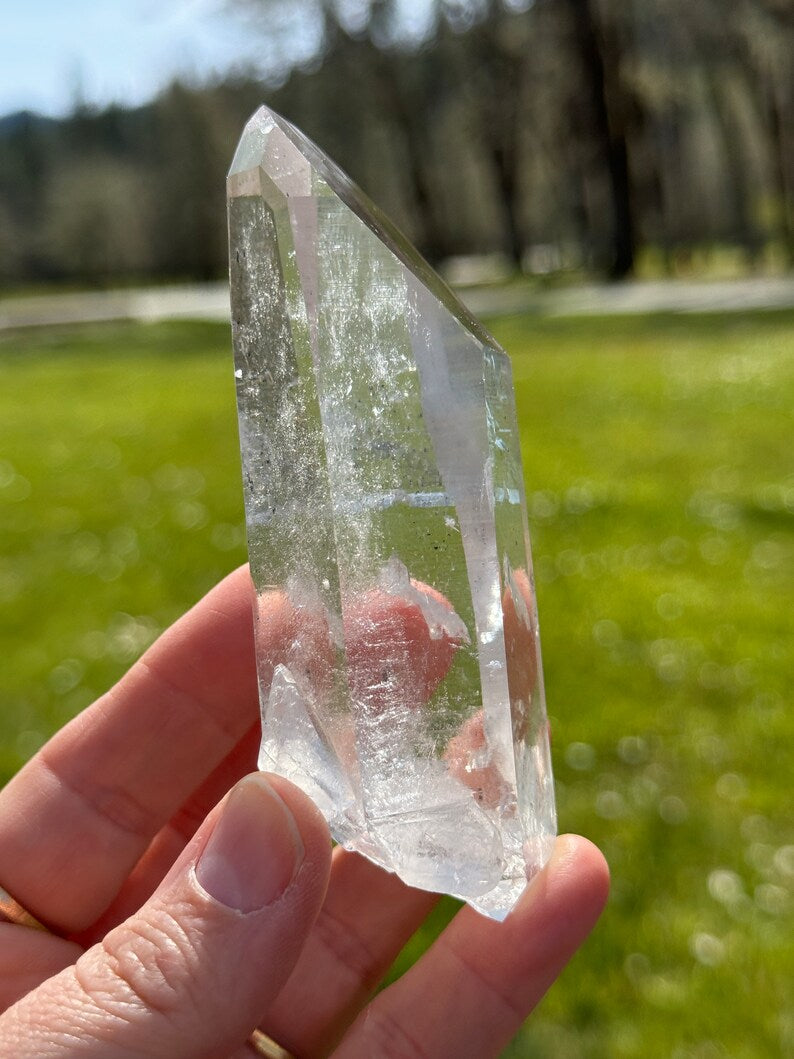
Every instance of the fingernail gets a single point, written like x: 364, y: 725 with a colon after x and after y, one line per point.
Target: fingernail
x: 255, y: 850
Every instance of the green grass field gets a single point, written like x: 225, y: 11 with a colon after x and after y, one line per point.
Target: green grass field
x: 659, y: 458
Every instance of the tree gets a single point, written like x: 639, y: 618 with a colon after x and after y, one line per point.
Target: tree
x: 599, y: 55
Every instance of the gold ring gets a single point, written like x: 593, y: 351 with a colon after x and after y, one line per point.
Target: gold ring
x: 267, y: 1047
x: 11, y: 911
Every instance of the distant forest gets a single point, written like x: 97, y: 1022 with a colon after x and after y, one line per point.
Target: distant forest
x: 561, y: 134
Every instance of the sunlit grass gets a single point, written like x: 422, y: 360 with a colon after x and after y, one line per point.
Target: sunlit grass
x: 658, y: 455
x: 658, y: 458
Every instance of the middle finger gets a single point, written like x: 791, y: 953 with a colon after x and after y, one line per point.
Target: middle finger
x: 366, y: 919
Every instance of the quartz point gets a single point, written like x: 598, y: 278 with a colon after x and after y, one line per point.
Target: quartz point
x: 396, y: 626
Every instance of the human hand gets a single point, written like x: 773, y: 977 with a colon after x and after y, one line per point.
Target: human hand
x: 177, y: 924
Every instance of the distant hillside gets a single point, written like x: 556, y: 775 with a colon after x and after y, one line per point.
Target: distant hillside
x: 20, y: 119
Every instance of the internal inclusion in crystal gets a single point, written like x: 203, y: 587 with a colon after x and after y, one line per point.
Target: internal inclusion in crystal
x: 397, y: 642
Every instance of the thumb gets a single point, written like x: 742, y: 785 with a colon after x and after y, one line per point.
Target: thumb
x: 194, y: 970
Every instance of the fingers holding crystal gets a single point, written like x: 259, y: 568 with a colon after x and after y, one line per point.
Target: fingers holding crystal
x: 294, y: 630
x: 76, y: 819
x: 120, y: 770
x: 172, y: 839
x: 192, y: 970
x: 367, y: 917
x: 470, y: 761
x: 399, y: 644
x: 484, y: 978
x: 520, y: 648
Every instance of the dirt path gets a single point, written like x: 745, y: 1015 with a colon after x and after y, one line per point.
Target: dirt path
x: 211, y: 301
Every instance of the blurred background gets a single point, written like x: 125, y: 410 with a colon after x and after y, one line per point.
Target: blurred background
x: 563, y: 136
x: 611, y: 184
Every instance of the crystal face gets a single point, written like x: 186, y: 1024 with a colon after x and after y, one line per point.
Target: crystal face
x: 397, y: 642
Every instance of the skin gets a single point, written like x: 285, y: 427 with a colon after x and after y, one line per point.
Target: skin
x: 149, y: 954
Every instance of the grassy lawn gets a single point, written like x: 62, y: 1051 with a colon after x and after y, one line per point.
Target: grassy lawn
x: 658, y: 456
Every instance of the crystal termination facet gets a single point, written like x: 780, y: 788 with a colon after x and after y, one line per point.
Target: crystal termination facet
x: 397, y: 643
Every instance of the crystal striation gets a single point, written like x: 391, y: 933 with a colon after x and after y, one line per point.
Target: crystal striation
x: 397, y: 641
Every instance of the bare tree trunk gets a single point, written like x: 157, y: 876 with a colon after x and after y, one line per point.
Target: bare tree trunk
x: 496, y: 72
x: 741, y: 227
x: 780, y: 138
x: 410, y: 121
x: 507, y: 179
x: 601, y: 78
x: 380, y: 69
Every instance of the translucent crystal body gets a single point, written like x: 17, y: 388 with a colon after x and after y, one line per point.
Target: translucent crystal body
x: 397, y: 641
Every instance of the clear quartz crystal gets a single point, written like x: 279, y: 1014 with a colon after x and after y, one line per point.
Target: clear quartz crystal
x: 397, y: 644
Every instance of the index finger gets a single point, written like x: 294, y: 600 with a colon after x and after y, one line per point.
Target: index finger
x: 76, y: 818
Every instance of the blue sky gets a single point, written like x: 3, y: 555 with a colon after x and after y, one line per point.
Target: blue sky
x: 53, y: 52
x: 113, y: 50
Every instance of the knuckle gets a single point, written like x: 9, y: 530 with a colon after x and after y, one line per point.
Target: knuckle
x: 389, y: 1038
x: 349, y: 954
x: 498, y: 998
x: 145, y: 967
